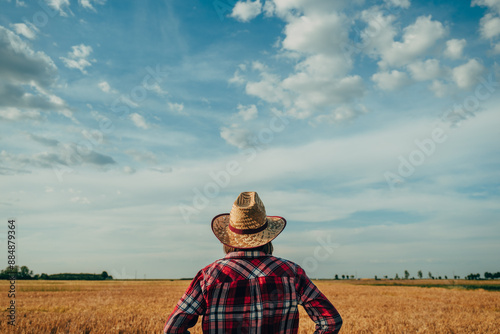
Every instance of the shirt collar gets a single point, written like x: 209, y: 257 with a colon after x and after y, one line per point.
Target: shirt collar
x: 241, y: 254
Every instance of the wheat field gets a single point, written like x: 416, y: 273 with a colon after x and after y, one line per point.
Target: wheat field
x: 144, y: 306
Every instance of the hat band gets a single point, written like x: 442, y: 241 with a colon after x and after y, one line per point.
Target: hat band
x: 248, y: 231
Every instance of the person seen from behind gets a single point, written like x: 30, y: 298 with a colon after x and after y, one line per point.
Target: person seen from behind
x: 250, y: 290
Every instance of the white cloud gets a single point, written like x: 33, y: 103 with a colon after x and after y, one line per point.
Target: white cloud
x: 316, y: 33
x: 258, y: 66
x: 391, y: 80
x: 418, y: 38
x: 397, y: 139
x: 313, y: 33
x: 139, y: 121
x: 269, y: 8
x: 467, y: 75
x: 80, y: 51
x: 104, y: 86
x: 87, y: 4
x: 341, y: 114
x: 143, y: 156
x: 158, y: 90
x: 80, y: 200
x: 428, y: 70
x: 247, y: 113
x: 66, y: 155
x: 129, y: 170
x: 23, y: 29
x: 379, y: 33
x: 439, y: 88
x: 496, y: 49
x: 237, y: 79
x: 490, y: 26
x: 269, y: 89
x: 37, y: 67
x: 321, y: 78
x: 290, y: 9
x: 236, y: 136
x: 493, y: 4
x: 246, y: 11
x: 454, y: 48
x: 60, y: 5
x: 162, y: 170
x: 312, y: 93
x: 399, y: 3
x: 14, y: 114
x: 27, y: 77
x: 79, y: 64
x: 44, y: 140
x: 177, y: 107
x: 322, y: 66
x: 78, y: 57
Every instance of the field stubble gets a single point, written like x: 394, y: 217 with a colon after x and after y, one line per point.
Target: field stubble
x: 144, y: 306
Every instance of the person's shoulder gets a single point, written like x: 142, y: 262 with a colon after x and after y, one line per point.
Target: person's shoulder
x: 209, y: 266
x: 269, y: 260
x: 280, y: 259
x: 284, y: 264
x: 215, y: 266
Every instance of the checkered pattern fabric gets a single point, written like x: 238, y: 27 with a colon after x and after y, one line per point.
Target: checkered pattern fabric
x: 251, y: 292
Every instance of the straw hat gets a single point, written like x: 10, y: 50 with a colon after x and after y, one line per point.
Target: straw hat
x: 247, y: 226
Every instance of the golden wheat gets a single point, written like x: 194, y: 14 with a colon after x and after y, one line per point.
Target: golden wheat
x: 144, y: 306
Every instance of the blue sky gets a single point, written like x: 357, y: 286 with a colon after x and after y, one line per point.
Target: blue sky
x: 371, y: 126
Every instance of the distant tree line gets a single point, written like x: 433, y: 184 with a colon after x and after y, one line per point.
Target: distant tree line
x: 344, y: 277
x: 487, y: 275
x: 420, y: 275
x: 23, y: 273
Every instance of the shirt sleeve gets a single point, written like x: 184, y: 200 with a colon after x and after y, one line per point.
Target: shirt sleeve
x: 317, y: 306
x: 191, y: 305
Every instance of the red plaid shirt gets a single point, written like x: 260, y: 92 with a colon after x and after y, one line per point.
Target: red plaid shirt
x: 251, y: 292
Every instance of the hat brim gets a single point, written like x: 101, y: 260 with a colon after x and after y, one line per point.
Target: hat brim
x: 220, y: 227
